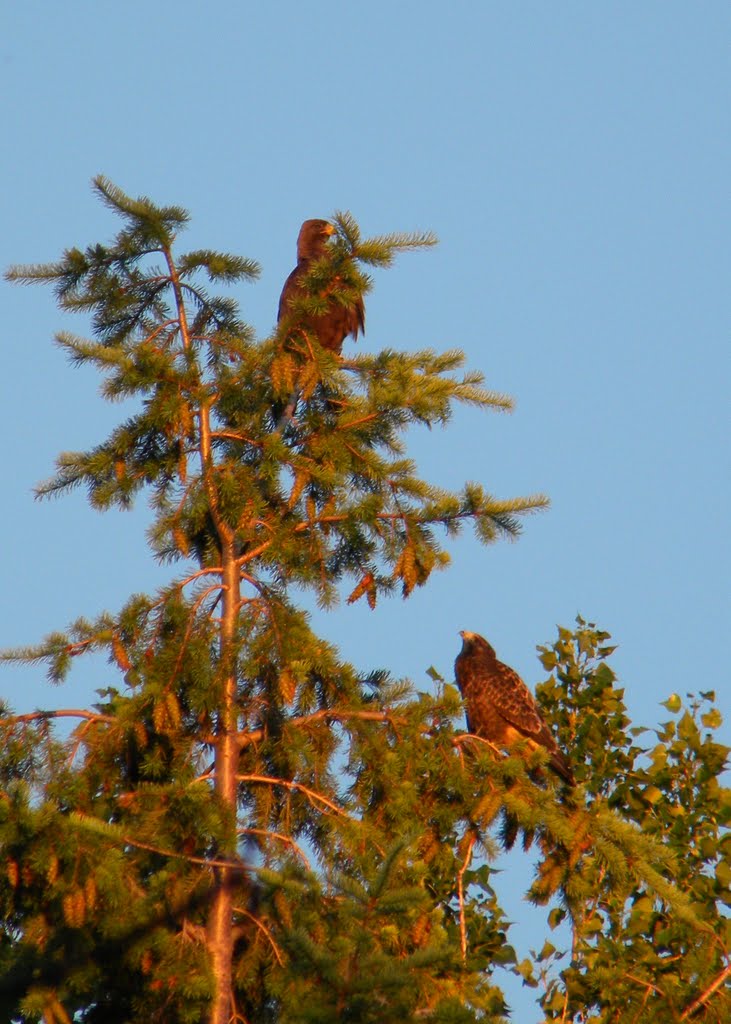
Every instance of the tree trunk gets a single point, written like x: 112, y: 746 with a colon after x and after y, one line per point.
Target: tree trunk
x: 220, y: 921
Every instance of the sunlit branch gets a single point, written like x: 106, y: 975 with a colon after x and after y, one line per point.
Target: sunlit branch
x: 645, y: 984
x: 226, y: 435
x: 357, y: 423
x: 255, y: 552
x: 245, y: 739
x: 189, y: 628
x: 39, y: 716
x: 79, y: 732
x: 211, y: 862
x: 260, y: 924
x: 311, y: 795
x: 460, y: 897
x: 457, y: 741
x: 158, y: 330
x: 279, y: 836
x: 215, y: 571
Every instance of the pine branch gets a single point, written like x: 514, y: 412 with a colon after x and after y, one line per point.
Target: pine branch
x: 219, y: 266
x: 152, y: 221
x: 119, y: 837
x: 381, y: 250
x: 44, y: 716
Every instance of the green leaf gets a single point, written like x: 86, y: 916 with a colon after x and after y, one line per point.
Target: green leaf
x: 723, y: 874
x: 525, y: 970
x: 547, y: 950
x: 556, y: 916
x: 673, y: 703
x: 604, y: 675
x: 652, y: 794
x: 712, y: 719
x: 688, y: 730
x: 549, y: 660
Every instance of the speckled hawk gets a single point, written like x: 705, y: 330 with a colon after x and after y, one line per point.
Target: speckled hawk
x: 499, y: 706
x: 332, y: 327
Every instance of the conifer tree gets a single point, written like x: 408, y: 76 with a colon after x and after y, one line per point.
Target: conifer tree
x: 247, y: 827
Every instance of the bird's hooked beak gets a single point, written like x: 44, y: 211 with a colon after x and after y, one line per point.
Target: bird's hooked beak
x: 467, y: 637
x: 329, y: 230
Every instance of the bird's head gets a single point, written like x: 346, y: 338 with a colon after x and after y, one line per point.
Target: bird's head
x: 475, y: 641
x: 312, y: 238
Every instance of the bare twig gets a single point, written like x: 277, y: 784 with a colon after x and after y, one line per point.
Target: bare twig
x: 457, y: 741
x: 282, y: 839
x: 357, y: 423
x: 460, y: 896
x: 311, y: 795
x: 79, y: 733
x: 260, y: 924
x: 214, y: 571
x: 207, y: 862
x: 228, y: 435
x: 189, y: 629
x: 159, y: 329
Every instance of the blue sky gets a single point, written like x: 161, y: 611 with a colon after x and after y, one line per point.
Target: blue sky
x: 574, y: 161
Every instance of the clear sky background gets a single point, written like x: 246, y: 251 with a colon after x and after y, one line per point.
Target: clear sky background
x: 573, y: 159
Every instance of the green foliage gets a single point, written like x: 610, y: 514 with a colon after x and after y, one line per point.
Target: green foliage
x: 649, y: 943
x: 244, y: 819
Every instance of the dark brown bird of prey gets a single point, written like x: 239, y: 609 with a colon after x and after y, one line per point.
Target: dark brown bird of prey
x: 499, y: 706
x: 332, y: 327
